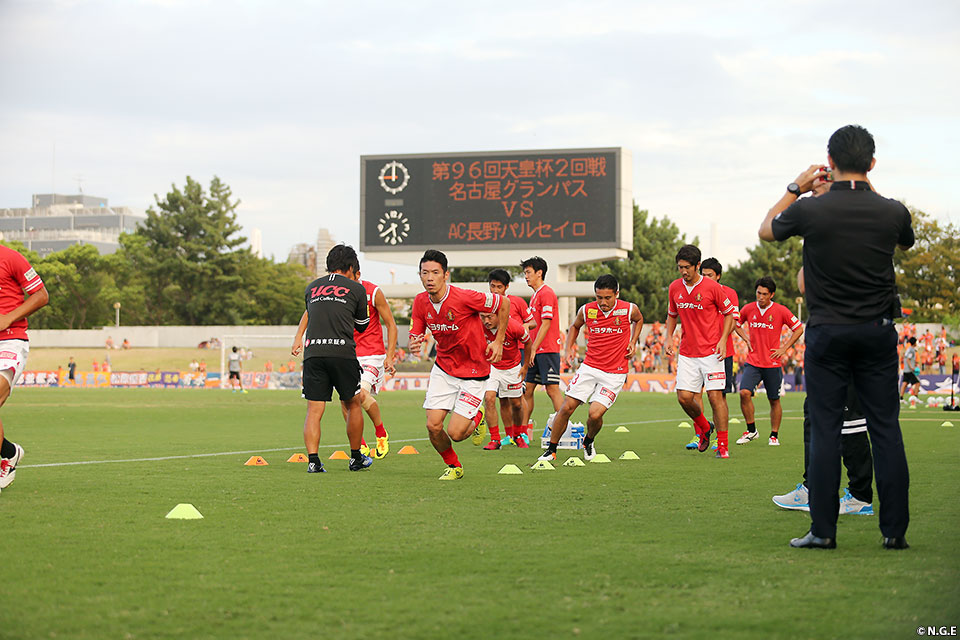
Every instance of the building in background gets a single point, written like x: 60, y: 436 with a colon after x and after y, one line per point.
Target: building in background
x: 55, y: 222
x: 313, y: 257
x: 256, y: 243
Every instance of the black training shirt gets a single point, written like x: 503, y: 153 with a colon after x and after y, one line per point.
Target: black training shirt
x: 335, y: 306
x: 849, y: 235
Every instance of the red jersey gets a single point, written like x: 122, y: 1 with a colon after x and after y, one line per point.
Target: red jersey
x: 698, y: 308
x: 735, y: 299
x: 520, y: 310
x: 456, y: 326
x: 544, y: 305
x: 608, y: 336
x: 514, y: 339
x: 17, y: 278
x: 370, y: 342
x: 766, y: 326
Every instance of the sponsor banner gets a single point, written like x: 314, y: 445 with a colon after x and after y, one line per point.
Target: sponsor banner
x: 39, y: 379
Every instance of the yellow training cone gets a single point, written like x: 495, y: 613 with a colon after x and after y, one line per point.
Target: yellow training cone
x: 621, y: 430
x: 628, y: 455
x: 510, y: 470
x: 684, y: 425
x: 600, y: 457
x: 184, y: 511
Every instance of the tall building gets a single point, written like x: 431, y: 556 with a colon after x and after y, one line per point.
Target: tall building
x: 256, y: 243
x: 313, y: 257
x: 56, y: 221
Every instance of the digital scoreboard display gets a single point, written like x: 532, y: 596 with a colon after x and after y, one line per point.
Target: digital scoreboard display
x: 496, y: 200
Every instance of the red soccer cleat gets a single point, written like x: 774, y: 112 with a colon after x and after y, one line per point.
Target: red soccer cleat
x: 493, y: 445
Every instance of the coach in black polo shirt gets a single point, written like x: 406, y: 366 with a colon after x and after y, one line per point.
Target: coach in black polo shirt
x: 850, y: 234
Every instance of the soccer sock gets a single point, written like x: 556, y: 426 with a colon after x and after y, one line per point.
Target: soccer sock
x: 356, y: 455
x: 450, y: 457
x: 7, y: 449
x: 510, y: 431
x: 363, y: 442
x: 314, y: 458
x: 587, y: 440
x: 381, y: 432
x: 528, y: 428
x: 774, y: 434
x: 752, y: 427
x: 722, y: 439
x: 477, y: 417
x: 495, y: 432
x: 701, y: 424
x: 552, y: 447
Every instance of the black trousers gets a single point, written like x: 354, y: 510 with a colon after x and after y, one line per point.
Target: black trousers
x: 854, y: 448
x: 866, y: 354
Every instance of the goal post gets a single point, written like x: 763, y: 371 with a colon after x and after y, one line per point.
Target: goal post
x: 247, y: 341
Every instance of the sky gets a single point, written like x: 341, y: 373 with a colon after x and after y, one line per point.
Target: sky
x: 720, y: 104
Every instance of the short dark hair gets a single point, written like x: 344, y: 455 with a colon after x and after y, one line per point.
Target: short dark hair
x: 913, y: 341
x: 690, y: 253
x: 852, y: 148
x: 767, y: 283
x: 712, y: 263
x: 500, y: 275
x: 341, y: 258
x: 607, y: 281
x: 234, y: 349
x: 432, y: 255
x: 537, y: 264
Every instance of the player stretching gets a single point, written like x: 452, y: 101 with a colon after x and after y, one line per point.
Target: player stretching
x: 17, y: 279
x: 613, y: 328
x: 374, y: 361
x: 765, y: 320
x: 544, y: 367
x: 506, y: 376
x: 460, y: 371
x: 696, y: 301
x: 499, y: 282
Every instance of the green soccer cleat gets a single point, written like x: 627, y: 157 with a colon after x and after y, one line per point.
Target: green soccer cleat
x: 452, y: 473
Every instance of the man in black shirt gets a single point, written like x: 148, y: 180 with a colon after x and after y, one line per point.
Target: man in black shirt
x: 336, y: 305
x: 850, y: 234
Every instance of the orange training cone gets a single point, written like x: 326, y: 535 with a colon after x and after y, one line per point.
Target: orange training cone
x: 255, y: 461
x: 407, y: 450
x: 297, y: 457
x: 339, y: 455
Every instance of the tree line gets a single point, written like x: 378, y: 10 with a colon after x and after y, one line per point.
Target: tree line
x: 188, y: 264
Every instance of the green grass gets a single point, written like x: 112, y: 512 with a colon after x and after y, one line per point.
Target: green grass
x: 676, y: 544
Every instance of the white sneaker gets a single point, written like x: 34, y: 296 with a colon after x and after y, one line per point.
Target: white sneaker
x: 773, y: 442
x: 748, y: 436
x: 797, y: 500
x: 549, y: 456
x: 589, y: 452
x: 8, y: 467
x: 849, y: 504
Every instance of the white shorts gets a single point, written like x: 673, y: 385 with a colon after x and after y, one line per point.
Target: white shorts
x: 506, y: 382
x: 13, y: 359
x: 371, y: 372
x: 696, y: 374
x: 453, y: 394
x: 593, y: 385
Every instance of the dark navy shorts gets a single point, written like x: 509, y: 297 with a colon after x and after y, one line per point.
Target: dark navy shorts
x: 545, y: 369
x: 772, y: 378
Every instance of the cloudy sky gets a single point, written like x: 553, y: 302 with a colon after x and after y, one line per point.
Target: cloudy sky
x: 721, y: 104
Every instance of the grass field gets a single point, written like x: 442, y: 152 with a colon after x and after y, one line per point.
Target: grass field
x: 676, y: 544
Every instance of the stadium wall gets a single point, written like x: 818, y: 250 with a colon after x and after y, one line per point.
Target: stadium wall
x: 155, y: 336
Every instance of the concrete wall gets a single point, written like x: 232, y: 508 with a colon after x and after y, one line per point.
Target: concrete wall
x: 160, y: 336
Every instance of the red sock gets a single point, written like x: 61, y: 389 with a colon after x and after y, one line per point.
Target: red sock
x: 495, y: 432
x: 722, y: 439
x: 510, y: 431
x: 701, y: 424
x: 450, y: 457
x: 381, y: 432
x: 363, y: 442
x: 477, y: 417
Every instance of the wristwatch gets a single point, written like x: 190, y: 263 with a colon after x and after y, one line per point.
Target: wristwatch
x: 794, y: 188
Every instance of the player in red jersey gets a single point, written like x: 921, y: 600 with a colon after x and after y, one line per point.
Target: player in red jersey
x: 613, y: 328
x: 459, y: 375
x: 499, y: 282
x: 697, y: 300
x: 17, y: 279
x: 506, y: 376
x: 765, y: 320
x: 375, y: 362
x: 544, y: 367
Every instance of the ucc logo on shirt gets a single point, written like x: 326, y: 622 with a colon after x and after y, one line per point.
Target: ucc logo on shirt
x: 329, y: 290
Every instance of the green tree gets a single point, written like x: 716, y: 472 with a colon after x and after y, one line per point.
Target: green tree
x: 76, y: 278
x: 928, y: 274
x: 649, y: 269
x: 779, y: 260
x: 479, y: 274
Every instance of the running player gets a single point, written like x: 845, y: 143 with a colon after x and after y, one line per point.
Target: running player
x: 499, y: 282
x: 336, y: 307
x: 506, y: 376
x: 17, y: 279
x: 375, y: 361
x: 544, y: 367
x: 765, y: 320
x: 613, y: 328
x: 460, y: 372
x: 697, y: 300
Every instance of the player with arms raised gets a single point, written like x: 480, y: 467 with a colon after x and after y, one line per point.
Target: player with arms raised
x: 696, y: 300
x: 460, y: 372
x: 613, y: 328
x: 17, y: 279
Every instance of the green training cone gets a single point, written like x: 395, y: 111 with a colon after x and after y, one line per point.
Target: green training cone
x: 510, y: 470
x: 621, y: 430
x: 600, y: 457
x: 184, y: 511
x: 628, y: 455
x: 574, y: 462
x: 543, y: 465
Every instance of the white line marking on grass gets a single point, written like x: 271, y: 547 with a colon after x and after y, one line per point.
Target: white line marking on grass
x: 194, y: 455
